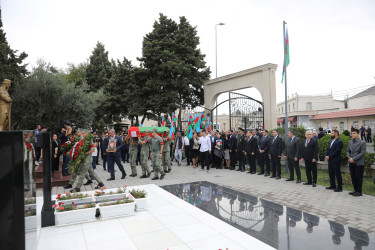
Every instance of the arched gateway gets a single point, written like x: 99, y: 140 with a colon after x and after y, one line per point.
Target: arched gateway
x: 262, y: 78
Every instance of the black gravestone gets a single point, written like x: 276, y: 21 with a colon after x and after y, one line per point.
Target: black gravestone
x: 12, y: 217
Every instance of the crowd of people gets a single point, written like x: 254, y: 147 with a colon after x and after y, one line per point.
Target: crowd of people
x: 214, y: 149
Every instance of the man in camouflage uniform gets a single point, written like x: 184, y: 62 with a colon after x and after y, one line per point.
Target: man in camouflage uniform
x: 145, y: 152
x: 133, y: 150
x: 86, y: 168
x: 166, y: 152
x: 241, y: 147
x: 157, y: 152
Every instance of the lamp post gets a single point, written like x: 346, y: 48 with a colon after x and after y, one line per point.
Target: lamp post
x: 219, y: 24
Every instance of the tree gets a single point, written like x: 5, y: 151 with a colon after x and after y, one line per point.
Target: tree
x: 176, y: 69
x: 45, y: 98
x: 11, y: 66
x: 76, y: 73
x: 98, y: 71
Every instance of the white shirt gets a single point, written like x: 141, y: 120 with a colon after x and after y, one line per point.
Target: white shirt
x: 205, y: 143
x: 95, y: 153
x: 186, y: 141
x: 332, y: 143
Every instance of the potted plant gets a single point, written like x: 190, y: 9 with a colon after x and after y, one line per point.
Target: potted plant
x: 70, y: 213
x: 115, y: 208
x: 140, y: 197
x: 77, y: 198
x: 109, y: 195
x: 30, y: 219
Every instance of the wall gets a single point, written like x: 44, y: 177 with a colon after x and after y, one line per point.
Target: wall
x: 362, y: 102
x: 348, y: 122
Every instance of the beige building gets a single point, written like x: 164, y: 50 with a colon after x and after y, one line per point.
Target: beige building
x: 364, y: 99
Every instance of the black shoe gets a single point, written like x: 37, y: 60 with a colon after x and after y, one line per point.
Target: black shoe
x: 260, y: 173
x: 338, y: 190
x: 289, y: 179
x: 75, y: 190
x: 124, y: 175
x: 188, y: 164
x: 132, y: 175
x: 67, y: 186
x: 298, y: 181
x: 314, y: 184
x: 231, y: 168
x: 253, y: 173
x: 88, y: 182
x: 101, y: 184
x: 148, y: 174
x: 266, y: 175
x: 351, y: 193
x: 243, y: 170
x: 278, y: 178
x: 238, y: 169
x: 248, y: 172
x: 155, y: 178
x: 356, y: 194
x: 162, y: 176
x: 104, y: 169
x: 169, y: 170
x: 330, y: 188
x: 143, y: 176
x: 152, y: 171
x: 273, y: 176
x: 111, y: 179
x: 307, y: 183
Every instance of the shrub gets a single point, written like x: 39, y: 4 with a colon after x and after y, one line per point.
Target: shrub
x: 300, y: 132
x: 369, y: 161
x: 323, y: 145
x: 346, y: 132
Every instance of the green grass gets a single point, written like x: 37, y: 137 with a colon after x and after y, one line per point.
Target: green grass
x: 368, y: 186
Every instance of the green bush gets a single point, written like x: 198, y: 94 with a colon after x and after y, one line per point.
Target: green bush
x: 300, y: 132
x: 373, y: 143
x: 323, y: 145
x: 369, y: 161
x: 346, y: 132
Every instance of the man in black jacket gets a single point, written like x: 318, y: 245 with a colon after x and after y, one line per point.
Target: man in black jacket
x: 251, y: 148
x: 275, y: 153
x: 264, y: 148
x: 232, y: 149
x: 292, y: 154
x: 333, y: 156
x: 309, y: 154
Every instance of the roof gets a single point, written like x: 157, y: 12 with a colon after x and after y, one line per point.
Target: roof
x: 345, y: 113
x: 369, y: 91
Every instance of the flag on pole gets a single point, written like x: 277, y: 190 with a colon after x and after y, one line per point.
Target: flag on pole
x: 199, y: 123
x: 208, y: 124
x: 140, y: 125
x: 286, y: 54
x: 196, y: 120
x: 171, y: 130
x: 163, y: 122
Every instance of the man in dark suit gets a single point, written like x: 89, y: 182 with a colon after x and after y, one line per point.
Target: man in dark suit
x: 251, y: 148
x: 114, y: 157
x: 275, y: 153
x: 309, y: 154
x: 333, y: 156
x: 232, y: 149
x: 292, y: 154
x: 264, y: 148
x: 321, y: 133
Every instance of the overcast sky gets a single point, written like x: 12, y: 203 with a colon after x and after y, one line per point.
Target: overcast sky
x: 332, y: 42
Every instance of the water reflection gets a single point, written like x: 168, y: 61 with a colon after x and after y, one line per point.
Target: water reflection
x: 278, y: 226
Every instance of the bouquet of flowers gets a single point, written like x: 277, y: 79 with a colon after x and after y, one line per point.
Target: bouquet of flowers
x: 77, y: 153
x: 67, y: 146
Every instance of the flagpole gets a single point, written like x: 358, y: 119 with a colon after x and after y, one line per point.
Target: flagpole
x: 286, y: 97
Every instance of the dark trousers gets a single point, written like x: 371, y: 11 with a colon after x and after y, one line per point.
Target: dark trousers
x: 276, y: 166
x: 94, y: 159
x: 138, y: 160
x: 252, y: 162
x: 311, y: 169
x: 64, y: 168
x: 257, y: 157
x: 205, y: 159
x: 56, y: 162
x: 187, y: 154
x: 363, y: 136
x: 241, y: 160
x: 104, y: 162
x: 97, y: 158
x: 264, y: 159
x: 218, y: 161
x: 37, y: 153
x: 294, y: 165
x: 356, y: 172
x: 369, y: 139
x: 232, y: 156
x: 334, y: 172
x: 123, y: 155
x: 112, y: 159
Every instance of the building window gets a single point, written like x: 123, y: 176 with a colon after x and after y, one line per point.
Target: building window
x: 341, y: 126
x: 308, y: 106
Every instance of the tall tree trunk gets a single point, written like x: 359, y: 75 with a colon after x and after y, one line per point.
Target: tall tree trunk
x: 143, y: 118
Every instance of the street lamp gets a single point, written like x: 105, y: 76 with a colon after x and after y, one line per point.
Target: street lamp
x: 219, y: 24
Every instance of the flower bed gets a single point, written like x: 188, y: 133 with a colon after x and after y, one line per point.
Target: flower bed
x: 120, y: 207
x: 105, y: 195
x: 74, y: 213
x: 76, y: 198
x: 140, y: 197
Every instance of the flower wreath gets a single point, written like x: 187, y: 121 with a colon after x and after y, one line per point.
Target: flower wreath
x: 67, y: 146
x: 77, y: 153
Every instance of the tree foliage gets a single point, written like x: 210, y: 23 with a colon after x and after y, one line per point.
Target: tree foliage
x: 11, y: 66
x: 45, y: 98
x: 98, y: 71
x: 76, y: 73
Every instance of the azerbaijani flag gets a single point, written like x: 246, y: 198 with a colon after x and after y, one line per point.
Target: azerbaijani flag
x: 163, y: 122
x: 208, y: 124
x: 286, y: 54
x: 196, y: 120
x: 172, y: 127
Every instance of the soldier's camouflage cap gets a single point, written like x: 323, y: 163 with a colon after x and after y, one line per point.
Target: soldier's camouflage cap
x: 155, y: 130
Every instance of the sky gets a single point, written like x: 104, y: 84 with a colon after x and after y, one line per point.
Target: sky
x: 332, y: 43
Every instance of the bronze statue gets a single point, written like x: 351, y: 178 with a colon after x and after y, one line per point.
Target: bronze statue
x: 5, y: 106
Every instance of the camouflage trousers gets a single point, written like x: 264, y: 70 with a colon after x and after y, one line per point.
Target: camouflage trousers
x: 144, y: 159
x: 85, y: 172
x: 132, y: 159
x: 165, y: 161
x: 156, y: 163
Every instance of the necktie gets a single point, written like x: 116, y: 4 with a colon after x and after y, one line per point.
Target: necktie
x: 307, y: 143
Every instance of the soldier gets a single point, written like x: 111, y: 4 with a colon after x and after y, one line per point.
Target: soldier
x: 133, y: 150
x: 86, y: 168
x: 145, y: 152
x: 157, y: 152
x: 241, y: 147
x: 166, y: 152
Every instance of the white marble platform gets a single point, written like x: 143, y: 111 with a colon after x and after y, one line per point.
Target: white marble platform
x: 167, y: 223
